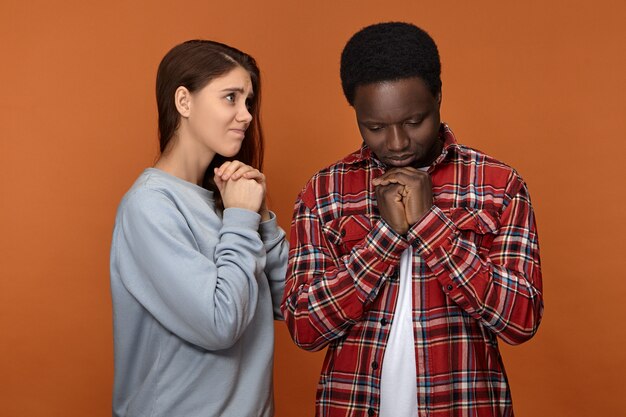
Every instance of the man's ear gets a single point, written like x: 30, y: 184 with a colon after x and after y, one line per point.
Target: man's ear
x: 182, y: 99
x: 439, y: 99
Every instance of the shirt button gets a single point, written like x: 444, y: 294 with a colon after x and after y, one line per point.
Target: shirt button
x: 374, y: 365
x: 343, y: 233
x: 383, y: 321
x: 450, y: 287
x: 370, y: 412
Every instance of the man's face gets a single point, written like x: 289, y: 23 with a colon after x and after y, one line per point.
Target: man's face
x: 399, y: 121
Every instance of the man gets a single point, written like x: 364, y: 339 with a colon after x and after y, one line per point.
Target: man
x: 410, y: 256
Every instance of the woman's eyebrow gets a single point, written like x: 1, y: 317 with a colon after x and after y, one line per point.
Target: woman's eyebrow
x: 237, y: 90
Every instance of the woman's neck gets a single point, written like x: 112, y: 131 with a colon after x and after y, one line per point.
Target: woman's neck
x: 185, y: 159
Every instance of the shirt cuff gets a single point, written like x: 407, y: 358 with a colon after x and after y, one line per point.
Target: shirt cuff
x: 433, y: 237
x: 376, y: 259
x: 434, y: 231
x: 386, y: 243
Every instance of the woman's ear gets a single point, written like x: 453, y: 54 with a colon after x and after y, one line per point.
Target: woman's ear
x: 182, y: 98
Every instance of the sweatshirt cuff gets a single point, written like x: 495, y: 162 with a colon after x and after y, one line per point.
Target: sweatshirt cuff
x: 269, y: 229
x: 234, y: 216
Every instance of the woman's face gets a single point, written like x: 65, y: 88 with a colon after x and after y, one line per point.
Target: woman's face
x: 218, y: 113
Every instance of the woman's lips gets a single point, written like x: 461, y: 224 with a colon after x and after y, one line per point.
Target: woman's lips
x: 239, y: 132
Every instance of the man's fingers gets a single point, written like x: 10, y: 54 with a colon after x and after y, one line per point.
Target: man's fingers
x: 386, y: 181
x: 391, y: 175
x: 391, y: 207
x: 407, y: 169
x: 392, y: 191
x: 402, y: 176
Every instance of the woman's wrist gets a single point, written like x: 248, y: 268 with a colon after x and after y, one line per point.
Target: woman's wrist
x: 264, y: 212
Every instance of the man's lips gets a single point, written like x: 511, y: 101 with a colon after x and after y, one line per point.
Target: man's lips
x: 400, y: 160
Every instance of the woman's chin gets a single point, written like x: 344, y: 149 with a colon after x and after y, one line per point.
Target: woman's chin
x: 229, y: 153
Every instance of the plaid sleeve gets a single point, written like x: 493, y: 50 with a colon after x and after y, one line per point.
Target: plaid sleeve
x: 501, y: 286
x: 324, y: 294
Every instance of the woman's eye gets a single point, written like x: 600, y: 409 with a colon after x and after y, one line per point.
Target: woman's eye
x: 231, y: 97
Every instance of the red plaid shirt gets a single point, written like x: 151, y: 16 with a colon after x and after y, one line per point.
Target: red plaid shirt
x: 476, y: 275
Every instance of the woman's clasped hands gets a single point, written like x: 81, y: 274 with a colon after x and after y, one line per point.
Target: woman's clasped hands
x: 242, y: 186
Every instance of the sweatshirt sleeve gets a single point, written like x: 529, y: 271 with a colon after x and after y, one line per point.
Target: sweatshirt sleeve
x: 208, y: 302
x: 277, y: 251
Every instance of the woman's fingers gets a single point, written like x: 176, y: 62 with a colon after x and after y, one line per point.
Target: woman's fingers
x: 220, y: 170
x: 254, y: 174
x: 228, y: 168
x: 234, y: 170
x: 218, y: 181
x: 247, y: 194
x: 241, y: 171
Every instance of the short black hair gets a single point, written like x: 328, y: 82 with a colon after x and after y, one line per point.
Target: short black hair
x: 386, y: 52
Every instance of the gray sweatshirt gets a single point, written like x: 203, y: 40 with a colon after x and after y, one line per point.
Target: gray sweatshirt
x: 194, y: 299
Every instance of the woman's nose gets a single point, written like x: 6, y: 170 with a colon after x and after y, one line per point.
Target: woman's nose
x: 244, y: 115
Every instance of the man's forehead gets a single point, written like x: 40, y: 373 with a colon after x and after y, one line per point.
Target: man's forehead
x: 393, y: 99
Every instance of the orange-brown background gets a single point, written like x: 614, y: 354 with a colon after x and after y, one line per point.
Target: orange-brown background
x: 537, y: 84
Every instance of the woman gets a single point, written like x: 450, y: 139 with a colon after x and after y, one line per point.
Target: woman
x: 197, y: 260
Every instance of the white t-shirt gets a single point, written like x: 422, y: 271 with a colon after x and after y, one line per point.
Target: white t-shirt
x: 398, y: 389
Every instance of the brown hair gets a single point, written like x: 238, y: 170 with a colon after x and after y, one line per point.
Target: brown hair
x: 193, y: 64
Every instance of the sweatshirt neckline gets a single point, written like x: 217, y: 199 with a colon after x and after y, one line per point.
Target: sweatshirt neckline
x: 207, y: 194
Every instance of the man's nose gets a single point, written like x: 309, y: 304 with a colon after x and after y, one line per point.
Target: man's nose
x: 397, y: 139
